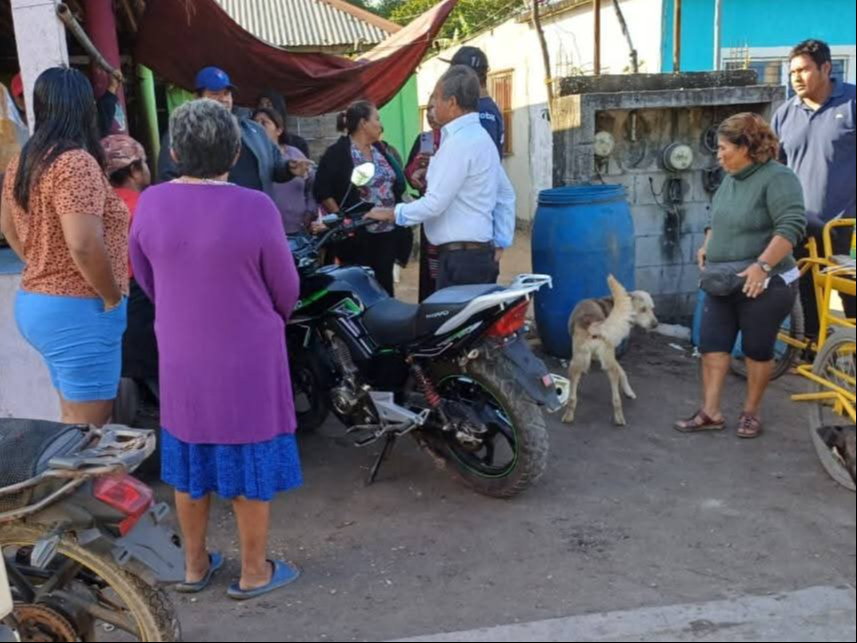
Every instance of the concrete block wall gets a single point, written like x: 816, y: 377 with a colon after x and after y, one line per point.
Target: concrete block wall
x: 644, y: 121
x: 319, y: 132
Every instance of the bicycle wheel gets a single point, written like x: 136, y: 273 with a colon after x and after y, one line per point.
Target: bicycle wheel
x: 832, y: 434
x: 785, y: 355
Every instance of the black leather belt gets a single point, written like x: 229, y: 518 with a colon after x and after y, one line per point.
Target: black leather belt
x: 465, y: 245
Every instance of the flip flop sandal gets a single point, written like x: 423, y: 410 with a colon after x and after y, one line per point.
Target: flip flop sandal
x: 283, y: 574
x: 749, y: 427
x: 215, y: 564
x: 699, y: 422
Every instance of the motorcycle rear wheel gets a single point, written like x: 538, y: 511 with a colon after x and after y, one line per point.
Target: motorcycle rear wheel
x: 146, y: 610
x: 489, y: 393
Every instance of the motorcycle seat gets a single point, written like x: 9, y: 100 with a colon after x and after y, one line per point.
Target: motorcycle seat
x: 28, y: 446
x: 391, y: 322
x: 458, y: 295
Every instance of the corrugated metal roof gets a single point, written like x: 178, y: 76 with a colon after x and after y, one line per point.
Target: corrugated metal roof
x: 303, y: 23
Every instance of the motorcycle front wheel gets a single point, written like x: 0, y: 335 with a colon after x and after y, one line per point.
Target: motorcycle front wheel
x: 310, y: 398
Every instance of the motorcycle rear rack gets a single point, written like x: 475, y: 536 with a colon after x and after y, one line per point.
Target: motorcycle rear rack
x: 118, y: 450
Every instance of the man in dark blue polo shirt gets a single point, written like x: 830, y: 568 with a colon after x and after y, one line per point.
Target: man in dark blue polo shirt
x: 816, y: 130
x: 489, y: 113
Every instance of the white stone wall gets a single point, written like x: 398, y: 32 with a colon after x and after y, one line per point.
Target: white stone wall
x: 513, y: 46
x: 41, y: 41
x: 25, y: 387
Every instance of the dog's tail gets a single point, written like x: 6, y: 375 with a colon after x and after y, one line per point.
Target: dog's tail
x: 617, y: 326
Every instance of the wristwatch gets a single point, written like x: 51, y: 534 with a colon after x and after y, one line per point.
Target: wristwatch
x: 765, y: 266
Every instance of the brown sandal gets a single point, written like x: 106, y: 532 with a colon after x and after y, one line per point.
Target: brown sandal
x: 699, y: 422
x: 749, y: 427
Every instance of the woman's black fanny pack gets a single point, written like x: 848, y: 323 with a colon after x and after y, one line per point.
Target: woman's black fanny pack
x: 721, y: 279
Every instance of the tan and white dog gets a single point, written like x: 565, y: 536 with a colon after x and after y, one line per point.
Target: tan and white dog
x: 598, y: 327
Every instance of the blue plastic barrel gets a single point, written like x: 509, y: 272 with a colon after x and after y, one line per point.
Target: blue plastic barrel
x: 581, y: 235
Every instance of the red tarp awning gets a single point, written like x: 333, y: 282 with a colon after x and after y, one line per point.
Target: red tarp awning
x: 177, y: 39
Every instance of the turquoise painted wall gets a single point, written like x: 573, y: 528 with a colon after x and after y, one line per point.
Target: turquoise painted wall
x: 755, y: 23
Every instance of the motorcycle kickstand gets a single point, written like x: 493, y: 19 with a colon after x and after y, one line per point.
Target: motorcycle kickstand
x: 382, y: 457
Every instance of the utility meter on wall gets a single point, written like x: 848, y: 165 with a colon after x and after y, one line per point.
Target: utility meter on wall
x: 605, y: 143
x: 678, y: 157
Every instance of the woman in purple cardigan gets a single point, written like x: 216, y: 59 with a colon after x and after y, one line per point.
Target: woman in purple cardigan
x: 213, y: 258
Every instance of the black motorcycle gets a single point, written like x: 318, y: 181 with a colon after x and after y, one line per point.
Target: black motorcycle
x: 454, y: 372
x: 83, y: 542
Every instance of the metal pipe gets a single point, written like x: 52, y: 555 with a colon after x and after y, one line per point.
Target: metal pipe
x: 718, y: 34
x: 677, y: 37
x: 102, y: 29
x: 597, y: 54
x: 79, y: 34
x: 148, y: 102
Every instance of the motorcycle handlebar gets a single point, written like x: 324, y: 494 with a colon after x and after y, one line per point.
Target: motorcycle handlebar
x: 343, y: 229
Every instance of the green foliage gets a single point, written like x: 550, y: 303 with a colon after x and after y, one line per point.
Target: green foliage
x: 467, y: 19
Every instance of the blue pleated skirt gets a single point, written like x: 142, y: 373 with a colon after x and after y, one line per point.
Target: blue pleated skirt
x: 252, y: 471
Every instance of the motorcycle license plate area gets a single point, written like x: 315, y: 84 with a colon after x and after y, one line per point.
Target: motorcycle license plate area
x: 534, y: 375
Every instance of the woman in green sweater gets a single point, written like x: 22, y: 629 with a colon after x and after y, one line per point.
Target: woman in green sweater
x: 758, y: 217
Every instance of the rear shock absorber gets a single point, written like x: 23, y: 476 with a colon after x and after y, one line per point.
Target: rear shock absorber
x: 435, y: 401
x: 426, y: 386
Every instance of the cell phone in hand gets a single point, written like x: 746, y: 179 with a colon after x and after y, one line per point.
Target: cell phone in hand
x: 427, y: 143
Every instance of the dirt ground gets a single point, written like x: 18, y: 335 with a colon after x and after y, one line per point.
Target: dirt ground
x: 625, y: 518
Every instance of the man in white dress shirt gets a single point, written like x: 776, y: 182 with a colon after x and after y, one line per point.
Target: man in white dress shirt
x: 469, y: 208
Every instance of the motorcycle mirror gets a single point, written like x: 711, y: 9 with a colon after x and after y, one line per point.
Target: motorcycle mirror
x: 330, y: 220
x: 363, y: 174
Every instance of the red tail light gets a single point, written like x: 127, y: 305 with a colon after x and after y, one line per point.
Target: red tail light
x: 126, y: 495
x: 511, y: 322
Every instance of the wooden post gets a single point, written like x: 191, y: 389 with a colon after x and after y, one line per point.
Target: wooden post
x: 634, y: 54
x: 677, y: 37
x: 597, y: 53
x: 540, y: 32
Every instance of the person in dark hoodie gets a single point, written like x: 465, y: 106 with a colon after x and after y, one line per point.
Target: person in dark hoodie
x: 260, y: 164
x: 489, y: 113
x: 270, y: 99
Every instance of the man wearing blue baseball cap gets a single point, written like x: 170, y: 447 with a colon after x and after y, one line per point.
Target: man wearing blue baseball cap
x: 260, y: 164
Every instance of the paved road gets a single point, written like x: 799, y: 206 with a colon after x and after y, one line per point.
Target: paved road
x: 815, y: 614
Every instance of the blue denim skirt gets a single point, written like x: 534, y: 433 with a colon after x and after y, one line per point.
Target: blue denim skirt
x: 80, y: 343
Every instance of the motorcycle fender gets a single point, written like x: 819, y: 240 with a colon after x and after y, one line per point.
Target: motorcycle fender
x: 533, y: 375
x: 151, y: 550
